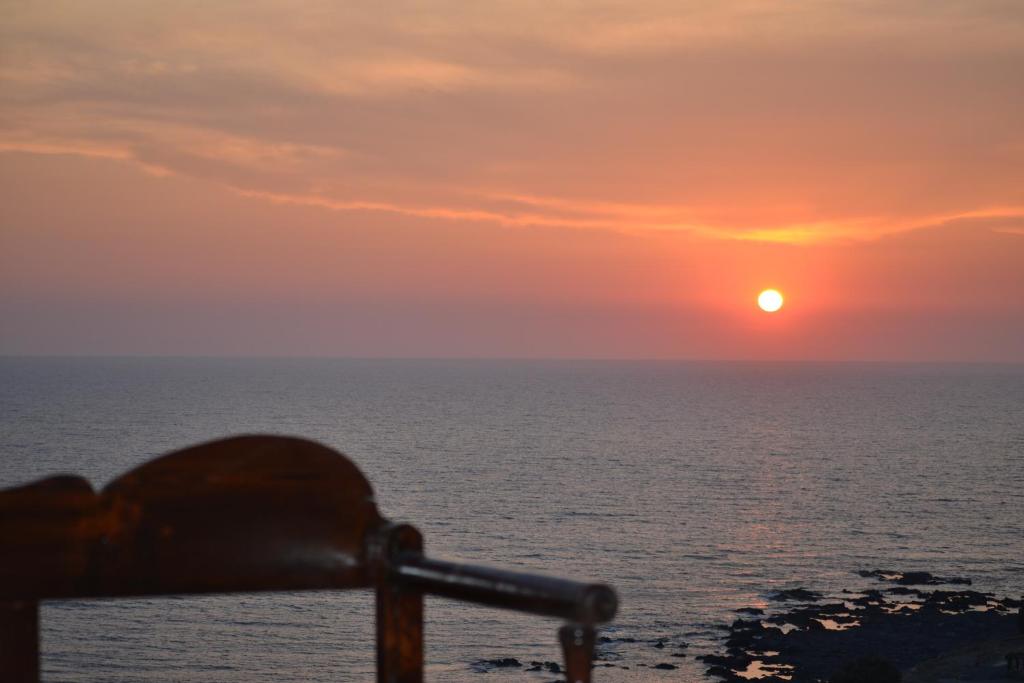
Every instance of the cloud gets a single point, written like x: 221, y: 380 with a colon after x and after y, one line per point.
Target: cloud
x: 794, y: 122
x: 625, y: 218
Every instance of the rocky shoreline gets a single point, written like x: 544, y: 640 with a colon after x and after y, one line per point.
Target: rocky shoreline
x: 878, y: 632
x: 608, y: 654
x: 867, y: 636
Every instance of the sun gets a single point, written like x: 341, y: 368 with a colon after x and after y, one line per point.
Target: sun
x: 770, y: 300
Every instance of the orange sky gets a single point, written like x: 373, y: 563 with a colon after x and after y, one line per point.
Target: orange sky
x: 513, y: 179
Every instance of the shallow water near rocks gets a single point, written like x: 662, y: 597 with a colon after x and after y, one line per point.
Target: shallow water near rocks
x: 694, y: 488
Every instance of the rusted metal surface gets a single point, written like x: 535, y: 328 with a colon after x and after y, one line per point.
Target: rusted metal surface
x: 19, y: 641
x: 242, y: 514
x: 399, y: 610
x: 578, y: 642
x: 587, y: 603
x: 252, y: 513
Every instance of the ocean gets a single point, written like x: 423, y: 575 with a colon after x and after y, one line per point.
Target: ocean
x: 693, y: 488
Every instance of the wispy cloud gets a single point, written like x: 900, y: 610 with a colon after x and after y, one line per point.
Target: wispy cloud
x: 773, y: 122
x: 639, y: 218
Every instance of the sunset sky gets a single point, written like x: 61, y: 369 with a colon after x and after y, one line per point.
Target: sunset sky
x: 524, y: 179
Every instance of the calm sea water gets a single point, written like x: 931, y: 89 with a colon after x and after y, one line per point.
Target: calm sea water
x: 694, y: 488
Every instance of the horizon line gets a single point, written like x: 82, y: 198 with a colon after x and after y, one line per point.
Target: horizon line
x: 484, y: 358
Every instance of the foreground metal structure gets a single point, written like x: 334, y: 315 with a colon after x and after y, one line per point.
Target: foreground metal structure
x: 251, y: 513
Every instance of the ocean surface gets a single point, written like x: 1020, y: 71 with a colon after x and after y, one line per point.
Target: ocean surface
x: 693, y: 488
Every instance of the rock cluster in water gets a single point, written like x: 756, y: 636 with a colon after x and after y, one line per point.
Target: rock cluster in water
x: 912, y: 578
x: 485, y: 665
x: 866, y: 635
x: 898, y: 627
x: 606, y: 655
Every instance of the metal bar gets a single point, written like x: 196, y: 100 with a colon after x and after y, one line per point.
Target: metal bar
x: 399, y: 609
x: 19, y: 641
x: 582, y: 603
x: 578, y: 642
x: 399, y: 635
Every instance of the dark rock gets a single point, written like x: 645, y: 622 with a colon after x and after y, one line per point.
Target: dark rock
x: 489, y: 664
x: 665, y: 666
x: 956, y: 600
x: 913, y: 578
x: 903, y: 637
x: 730, y: 662
x: 831, y: 608
x: 879, y: 574
x: 867, y: 670
x: 801, y: 617
x: 750, y: 610
x: 746, y: 625
x: 796, y: 594
x: 721, y: 672
x: 607, y: 655
x: 870, y: 597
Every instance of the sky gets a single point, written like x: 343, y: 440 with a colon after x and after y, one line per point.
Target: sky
x: 513, y: 179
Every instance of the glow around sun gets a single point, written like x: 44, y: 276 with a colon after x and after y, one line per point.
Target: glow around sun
x: 770, y: 300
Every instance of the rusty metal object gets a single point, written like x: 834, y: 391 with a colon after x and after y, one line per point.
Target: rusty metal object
x: 588, y: 603
x: 243, y: 514
x: 399, y: 609
x: 252, y: 513
x: 19, y: 640
x: 578, y: 641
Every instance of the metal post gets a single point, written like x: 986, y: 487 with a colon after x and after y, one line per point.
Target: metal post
x: 19, y: 641
x: 578, y: 642
x: 399, y: 612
